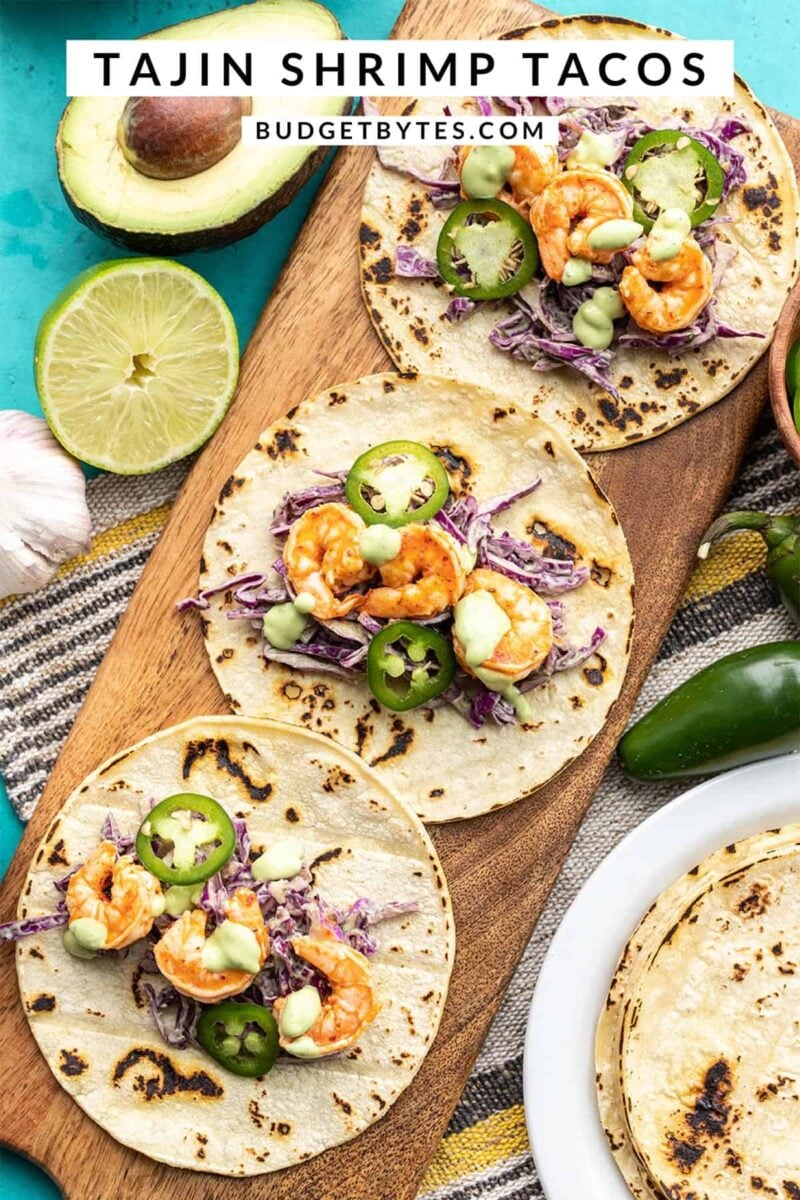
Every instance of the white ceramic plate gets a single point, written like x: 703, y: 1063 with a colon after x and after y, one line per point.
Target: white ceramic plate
x: 569, y: 1146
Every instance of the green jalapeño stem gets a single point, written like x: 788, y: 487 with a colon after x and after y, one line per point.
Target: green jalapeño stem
x: 782, y: 536
x: 408, y: 665
x: 169, y: 839
x: 242, y: 1038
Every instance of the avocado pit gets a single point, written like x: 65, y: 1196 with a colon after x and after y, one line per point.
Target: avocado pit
x: 175, y: 137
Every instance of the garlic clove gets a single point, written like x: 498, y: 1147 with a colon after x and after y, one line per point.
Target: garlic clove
x: 44, y: 518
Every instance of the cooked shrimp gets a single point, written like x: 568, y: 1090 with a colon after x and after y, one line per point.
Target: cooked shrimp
x: 567, y: 211
x: 684, y: 288
x: 530, y: 174
x: 352, y: 1004
x: 117, y: 892
x: 179, y: 953
x: 322, y: 557
x: 524, y: 646
x: 425, y: 578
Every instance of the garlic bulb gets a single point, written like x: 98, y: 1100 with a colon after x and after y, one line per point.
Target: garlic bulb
x: 44, y: 519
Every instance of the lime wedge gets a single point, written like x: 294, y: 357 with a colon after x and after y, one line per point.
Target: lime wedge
x: 136, y: 363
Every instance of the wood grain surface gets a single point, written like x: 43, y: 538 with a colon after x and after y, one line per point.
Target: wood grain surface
x: 500, y: 866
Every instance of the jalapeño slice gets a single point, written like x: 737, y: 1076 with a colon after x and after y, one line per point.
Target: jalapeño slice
x: 486, y: 250
x: 409, y: 664
x: 171, y: 835
x: 669, y: 169
x: 395, y: 483
x: 242, y: 1038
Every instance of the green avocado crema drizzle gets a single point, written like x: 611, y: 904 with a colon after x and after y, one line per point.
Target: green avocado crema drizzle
x: 299, y: 1012
x: 576, y: 271
x: 284, y: 623
x: 593, y: 323
x: 614, y: 235
x: 282, y: 860
x: 84, y: 937
x: 185, y: 832
x: 486, y: 170
x: 668, y: 234
x: 179, y: 898
x: 480, y: 625
x: 231, y: 947
x: 593, y: 150
x: 379, y: 544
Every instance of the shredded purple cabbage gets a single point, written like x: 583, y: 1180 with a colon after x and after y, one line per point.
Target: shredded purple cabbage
x: 524, y: 335
x: 294, y: 504
x: 459, y: 308
x: 705, y: 328
x: 109, y: 832
x: 174, y: 1015
x: 410, y: 264
x: 12, y: 931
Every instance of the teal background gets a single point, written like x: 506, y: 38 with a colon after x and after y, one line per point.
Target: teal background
x: 43, y: 247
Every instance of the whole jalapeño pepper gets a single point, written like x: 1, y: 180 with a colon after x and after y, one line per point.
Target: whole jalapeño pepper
x: 743, y: 708
x: 782, y: 535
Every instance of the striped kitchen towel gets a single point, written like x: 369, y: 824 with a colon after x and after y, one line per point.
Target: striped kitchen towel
x: 52, y: 643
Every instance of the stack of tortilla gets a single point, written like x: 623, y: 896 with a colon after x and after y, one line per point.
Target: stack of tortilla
x: 698, y: 1047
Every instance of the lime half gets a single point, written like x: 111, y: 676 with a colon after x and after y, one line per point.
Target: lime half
x: 136, y: 363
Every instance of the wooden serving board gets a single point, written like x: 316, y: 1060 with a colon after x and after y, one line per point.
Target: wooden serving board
x: 500, y: 866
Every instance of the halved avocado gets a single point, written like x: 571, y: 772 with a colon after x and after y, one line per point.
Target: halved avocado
x: 217, y: 205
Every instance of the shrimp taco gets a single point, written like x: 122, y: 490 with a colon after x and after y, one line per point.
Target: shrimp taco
x: 234, y: 946
x: 618, y: 283
x: 427, y: 574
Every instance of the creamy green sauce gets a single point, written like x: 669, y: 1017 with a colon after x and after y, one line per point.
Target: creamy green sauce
x: 593, y: 327
x: 486, y: 170
x: 480, y: 623
x: 186, y: 833
x: 89, y: 933
x: 282, y: 860
x: 496, y: 682
x: 610, y: 301
x: 304, y: 602
x: 84, y: 937
x: 284, y: 623
x: 593, y: 151
x: 231, y: 947
x: 179, y: 898
x: 73, y: 946
x: 303, y: 1047
x: 668, y: 234
x: 396, y: 484
x: 300, y: 1012
x: 614, y: 235
x: 379, y: 544
x: 158, y: 905
x: 577, y: 270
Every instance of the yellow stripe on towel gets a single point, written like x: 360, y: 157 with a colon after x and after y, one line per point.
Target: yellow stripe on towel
x: 499, y: 1137
x: 118, y: 537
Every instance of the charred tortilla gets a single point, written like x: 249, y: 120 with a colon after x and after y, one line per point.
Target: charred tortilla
x: 698, y: 1021
x: 656, y: 390
x: 436, y: 761
x: 91, y: 1018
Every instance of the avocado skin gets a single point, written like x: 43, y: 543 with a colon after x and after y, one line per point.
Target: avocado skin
x: 213, y: 238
